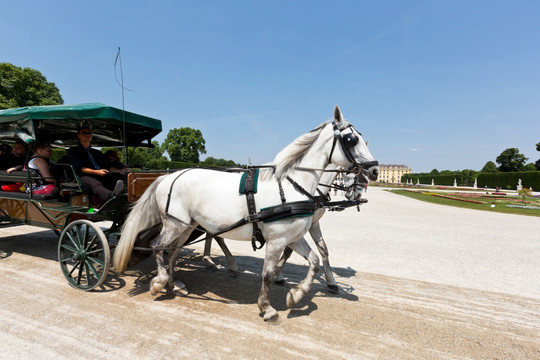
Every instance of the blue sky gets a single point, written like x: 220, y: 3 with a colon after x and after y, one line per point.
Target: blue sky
x: 430, y: 84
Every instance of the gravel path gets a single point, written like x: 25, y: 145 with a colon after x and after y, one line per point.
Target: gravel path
x: 417, y: 281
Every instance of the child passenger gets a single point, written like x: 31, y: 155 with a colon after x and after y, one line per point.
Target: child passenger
x: 40, y: 167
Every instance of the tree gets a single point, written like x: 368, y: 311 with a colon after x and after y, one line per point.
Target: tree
x: 211, y: 161
x: 26, y: 87
x: 467, y: 176
x: 511, y: 160
x: 434, y: 172
x: 490, y: 167
x: 529, y: 167
x: 150, y: 158
x: 185, y: 144
x: 524, y: 192
x: 537, y: 163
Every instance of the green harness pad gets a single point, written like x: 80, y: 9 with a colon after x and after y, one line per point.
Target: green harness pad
x: 243, y: 189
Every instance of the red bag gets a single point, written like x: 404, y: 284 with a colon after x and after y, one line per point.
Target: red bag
x: 16, y: 187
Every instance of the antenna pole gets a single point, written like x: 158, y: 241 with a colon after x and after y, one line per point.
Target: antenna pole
x: 119, y: 57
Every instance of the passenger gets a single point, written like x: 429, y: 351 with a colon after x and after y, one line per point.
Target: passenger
x: 16, y: 158
x: 92, y: 168
x: 13, y: 158
x: 5, y: 149
x: 40, y: 167
x: 113, y: 160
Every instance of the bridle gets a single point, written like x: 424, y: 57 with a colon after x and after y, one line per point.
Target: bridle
x: 349, y: 141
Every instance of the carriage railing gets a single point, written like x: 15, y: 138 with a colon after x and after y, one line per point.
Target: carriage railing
x: 64, y: 174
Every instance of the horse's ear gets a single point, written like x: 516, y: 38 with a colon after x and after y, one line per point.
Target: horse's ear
x: 338, y: 117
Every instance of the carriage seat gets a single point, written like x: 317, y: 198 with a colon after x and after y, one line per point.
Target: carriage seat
x: 19, y: 177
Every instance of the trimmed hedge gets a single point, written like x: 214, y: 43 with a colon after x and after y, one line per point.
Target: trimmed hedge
x: 503, y: 180
x: 509, y: 180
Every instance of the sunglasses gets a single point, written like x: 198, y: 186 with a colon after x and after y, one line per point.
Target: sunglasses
x: 86, y: 133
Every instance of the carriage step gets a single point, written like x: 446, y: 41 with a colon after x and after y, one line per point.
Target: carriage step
x: 67, y: 208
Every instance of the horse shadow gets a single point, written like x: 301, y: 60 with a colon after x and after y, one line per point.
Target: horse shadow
x: 223, y: 287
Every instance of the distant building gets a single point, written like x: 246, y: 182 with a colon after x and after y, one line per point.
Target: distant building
x: 392, y: 173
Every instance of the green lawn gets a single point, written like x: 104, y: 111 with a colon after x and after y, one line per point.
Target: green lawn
x: 499, y: 202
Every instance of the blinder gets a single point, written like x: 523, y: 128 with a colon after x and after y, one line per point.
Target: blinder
x: 349, y: 141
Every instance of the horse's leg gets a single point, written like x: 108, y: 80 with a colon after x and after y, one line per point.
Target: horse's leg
x: 273, y: 251
x: 316, y: 234
x: 178, y: 287
x: 158, y: 283
x: 297, y: 293
x: 278, y: 275
x: 233, y: 268
x: 206, y: 256
x: 168, y: 235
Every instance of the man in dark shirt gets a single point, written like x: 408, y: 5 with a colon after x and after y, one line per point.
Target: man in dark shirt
x: 92, y: 167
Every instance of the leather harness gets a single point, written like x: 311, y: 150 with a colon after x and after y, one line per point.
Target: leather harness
x: 274, y: 213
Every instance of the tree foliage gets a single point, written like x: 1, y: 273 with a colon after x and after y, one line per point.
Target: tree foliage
x: 511, y: 160
x: 185, y: 144
x: 490, y: 167
x: 211, y: 161
x: 26, y: 87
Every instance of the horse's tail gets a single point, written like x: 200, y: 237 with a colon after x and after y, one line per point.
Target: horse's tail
x: 144, y: 214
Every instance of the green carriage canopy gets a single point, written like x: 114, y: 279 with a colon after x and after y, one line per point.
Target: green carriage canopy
x: 58, y: 125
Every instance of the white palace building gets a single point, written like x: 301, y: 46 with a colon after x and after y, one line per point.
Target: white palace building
x: 392, y: 173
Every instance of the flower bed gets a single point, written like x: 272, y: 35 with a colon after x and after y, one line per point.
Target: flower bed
x: 455, y: 198
x: 524, y: 207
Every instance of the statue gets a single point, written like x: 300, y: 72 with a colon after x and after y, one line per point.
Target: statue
x: 519, y: 186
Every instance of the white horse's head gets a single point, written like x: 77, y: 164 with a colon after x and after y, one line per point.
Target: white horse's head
x: 349, y: 149
x: 355, y: 186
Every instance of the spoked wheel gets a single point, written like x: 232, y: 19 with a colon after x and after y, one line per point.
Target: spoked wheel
x: 84, y: 255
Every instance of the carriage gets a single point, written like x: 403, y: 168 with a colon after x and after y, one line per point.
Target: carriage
x: 87, y: 228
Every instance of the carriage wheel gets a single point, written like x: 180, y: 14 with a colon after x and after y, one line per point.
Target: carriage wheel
x: 84, y: 255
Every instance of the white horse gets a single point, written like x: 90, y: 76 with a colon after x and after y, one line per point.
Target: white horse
x: 183, y: 200
x: 353, y: 188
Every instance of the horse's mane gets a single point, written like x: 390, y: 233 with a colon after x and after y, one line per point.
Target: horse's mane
x: 292, y: 154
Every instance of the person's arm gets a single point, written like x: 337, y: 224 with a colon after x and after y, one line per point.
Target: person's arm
x: 15, y: 168
x: 89, y: 171
x: 122, y: 171
x: 44, y: 169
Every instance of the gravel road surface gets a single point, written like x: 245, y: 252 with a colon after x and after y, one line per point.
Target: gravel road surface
x: 417, y: 281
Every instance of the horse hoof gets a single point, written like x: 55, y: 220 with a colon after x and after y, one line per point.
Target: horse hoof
x: 155, y: 288
x: 233, y: 273
x: 333, y: 289
x: 271, y: 317
x: 279, y: 281
x: 293, y: 297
